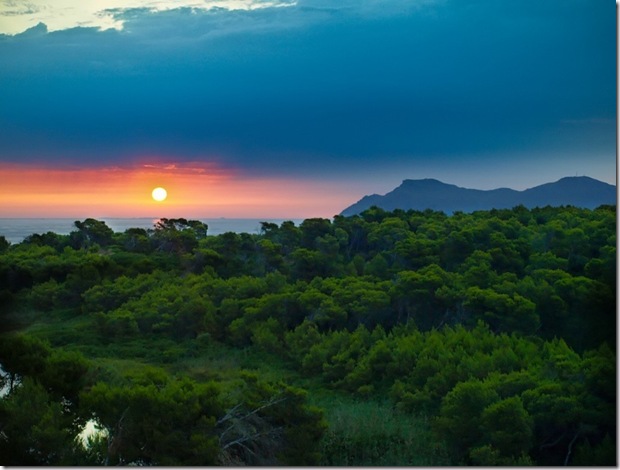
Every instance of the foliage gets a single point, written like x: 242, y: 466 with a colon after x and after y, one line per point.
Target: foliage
x: 463, y: 323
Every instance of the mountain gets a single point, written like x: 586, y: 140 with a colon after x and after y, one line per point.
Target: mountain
x: 579, y: 191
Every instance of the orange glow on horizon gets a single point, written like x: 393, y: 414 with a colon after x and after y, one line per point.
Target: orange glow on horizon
x: 196, y: 190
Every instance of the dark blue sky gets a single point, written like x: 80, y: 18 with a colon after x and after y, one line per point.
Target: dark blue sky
x: 480, y: 93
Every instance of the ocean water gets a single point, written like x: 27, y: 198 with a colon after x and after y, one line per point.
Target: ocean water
x: 15, y: 230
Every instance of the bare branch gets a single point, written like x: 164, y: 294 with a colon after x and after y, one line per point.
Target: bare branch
x: 570, y: 447
x: 229, y: 414
x: 241, y: 440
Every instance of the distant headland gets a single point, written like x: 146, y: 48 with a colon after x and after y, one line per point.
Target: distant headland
x: 422, y: 194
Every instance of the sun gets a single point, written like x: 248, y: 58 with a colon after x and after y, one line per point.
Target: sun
x: 159, y: 194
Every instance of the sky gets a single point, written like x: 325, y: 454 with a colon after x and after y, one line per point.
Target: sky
x: 284, y: 108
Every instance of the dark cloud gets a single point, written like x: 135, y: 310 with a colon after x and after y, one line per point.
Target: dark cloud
x: 314, y: 87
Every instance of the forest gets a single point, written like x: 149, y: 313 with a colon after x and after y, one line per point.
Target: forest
x: 385, y: 338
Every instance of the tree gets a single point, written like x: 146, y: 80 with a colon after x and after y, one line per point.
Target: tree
x: 311, y: 229
x: 136, y: 240
x: 36, y: 430
x: 460, y: 418
x: 178, y: 235
x: 307, y: 264
x: 92, y: 231
x: 503, y: 312
x: 417, y: 295
x: 21, y: 356
x: 511, y: 440
x: 4, y: 244
x: 146, y: 424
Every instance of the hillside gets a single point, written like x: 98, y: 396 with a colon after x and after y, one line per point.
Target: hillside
x: 386, y: 339
x: 422, y: 194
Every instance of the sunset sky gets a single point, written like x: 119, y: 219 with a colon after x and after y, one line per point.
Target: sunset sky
x: 283, y: 108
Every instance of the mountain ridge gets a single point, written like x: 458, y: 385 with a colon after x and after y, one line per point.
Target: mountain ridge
x: 430, y: 193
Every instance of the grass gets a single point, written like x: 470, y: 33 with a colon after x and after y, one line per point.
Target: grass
x: 372, y: 433
x: 360, y: 433
x: 217, y: 361
x: 62, y: 329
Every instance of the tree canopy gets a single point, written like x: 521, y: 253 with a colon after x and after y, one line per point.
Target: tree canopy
x: 265, y: 349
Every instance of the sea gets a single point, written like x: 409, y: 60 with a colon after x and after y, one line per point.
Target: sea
x: 15, y: 230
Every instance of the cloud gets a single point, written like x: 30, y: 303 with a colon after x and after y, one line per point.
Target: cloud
x: 313, y: 87
x: 17, y: 8
x: 17, y: 16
